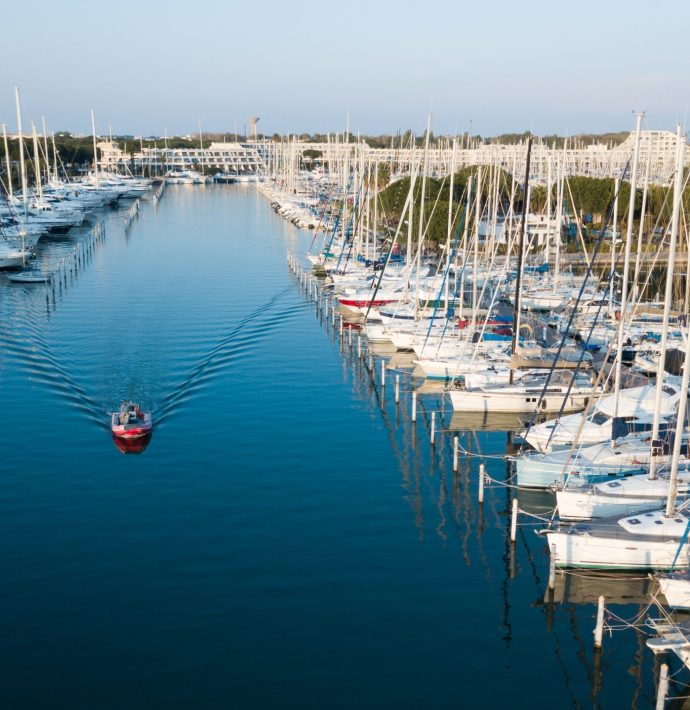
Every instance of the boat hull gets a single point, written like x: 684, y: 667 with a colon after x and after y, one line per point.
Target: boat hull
x: 676, y: 590
x: 580, y: 550
x: 531, y: 403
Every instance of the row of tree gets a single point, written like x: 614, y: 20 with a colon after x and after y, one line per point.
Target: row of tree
x: 582, y: 196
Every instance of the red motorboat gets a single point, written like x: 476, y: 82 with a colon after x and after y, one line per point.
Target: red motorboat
x: 131, y: 427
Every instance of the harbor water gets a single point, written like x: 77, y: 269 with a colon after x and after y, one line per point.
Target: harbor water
x: 289, y: 538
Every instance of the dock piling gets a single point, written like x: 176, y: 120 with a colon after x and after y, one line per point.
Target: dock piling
x: 599, y: 628
x: 663, y: 687
x: 481, y: 483
x: 414, y: 406
x: 513, y: 520
x: 397, y: 389
x: 552, y: 568
x: 433, y: 428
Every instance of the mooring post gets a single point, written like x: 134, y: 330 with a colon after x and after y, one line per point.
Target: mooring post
x: 552, y: 568
x: 663, y: 687
x: 383, y: 373
x: 433, y: 428
x: 481, y: 482
x: 414, y: 406
x: 599, y: 628
x: 397, y: 389
x: 349, y: 336
x: 455, y: 453
x: 359, y: 346
x: 513, y: 520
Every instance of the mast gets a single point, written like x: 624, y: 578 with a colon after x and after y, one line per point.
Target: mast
x: 559, y: 221
x: 616, y: 190
x: 45, y: 149
x: 464, y: 248
x: 7, y: 162
x: 37, y: 163
x: 680, y: 427
x: 410, y: 214
x: 521, y: 246
x: 95, y: 153
x: 475, y: 255
x: 549, y: 179
x: 626, y: 262
x: 22, y: 166
x: 55, y: 158
x: 660, y: 370
x: 450, y: 218
x: 641, y: 229
x: 376, y: 211
x: 420, y: 232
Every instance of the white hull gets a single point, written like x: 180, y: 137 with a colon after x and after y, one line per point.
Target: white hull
x: 676, y: 590
x: 590, y: 552
x: 515, y: 403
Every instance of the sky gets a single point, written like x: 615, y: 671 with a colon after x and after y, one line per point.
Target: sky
x: 149, y: 67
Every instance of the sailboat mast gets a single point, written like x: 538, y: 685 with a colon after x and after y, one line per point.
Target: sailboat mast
x: 420, y: 232
x: 640, y: 231
x: 521, y: 247
x: 616, y: 189
x: 450, y: 220
x: 626, y: 262
x: 7, y: 161
x: 22, y: 166
x: 465, y: 254
x: 45, y: 149
x: 661, y: 365
x: 560, y: 179
x: 549, y: 178
x: 376, y: 210
x: 37, y: 162
x: 475, y: 254
x: 95, y: 153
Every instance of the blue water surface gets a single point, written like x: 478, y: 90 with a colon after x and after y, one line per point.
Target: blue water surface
x: 288, y: 538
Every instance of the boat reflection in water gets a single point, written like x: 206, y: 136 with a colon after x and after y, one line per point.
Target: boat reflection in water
x: 586, y: 587
x: 132, y: 446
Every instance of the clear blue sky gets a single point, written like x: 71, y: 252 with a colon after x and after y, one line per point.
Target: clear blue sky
x: 498, y: 67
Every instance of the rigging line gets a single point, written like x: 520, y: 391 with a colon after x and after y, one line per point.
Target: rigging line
x: 599, y: 377
x: 445, y: 276
x: 349, y: 229
x: 413, y: 177
x: 321, y: 216
x: 597, y: 247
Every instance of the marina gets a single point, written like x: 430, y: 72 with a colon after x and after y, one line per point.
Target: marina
x: 326, y: 412
x: 376, y: 522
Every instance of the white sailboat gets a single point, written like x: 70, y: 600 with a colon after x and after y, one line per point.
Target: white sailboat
x: 652, y: 540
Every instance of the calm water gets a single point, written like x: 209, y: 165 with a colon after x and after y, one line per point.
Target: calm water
x: 287, y: 539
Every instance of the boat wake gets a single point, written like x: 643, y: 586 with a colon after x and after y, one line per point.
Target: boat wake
x: 240, y: 340
x: 25, y: 342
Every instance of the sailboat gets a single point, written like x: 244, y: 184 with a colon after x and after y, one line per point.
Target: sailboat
x: 562, y: 391
x: 652, y: 540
